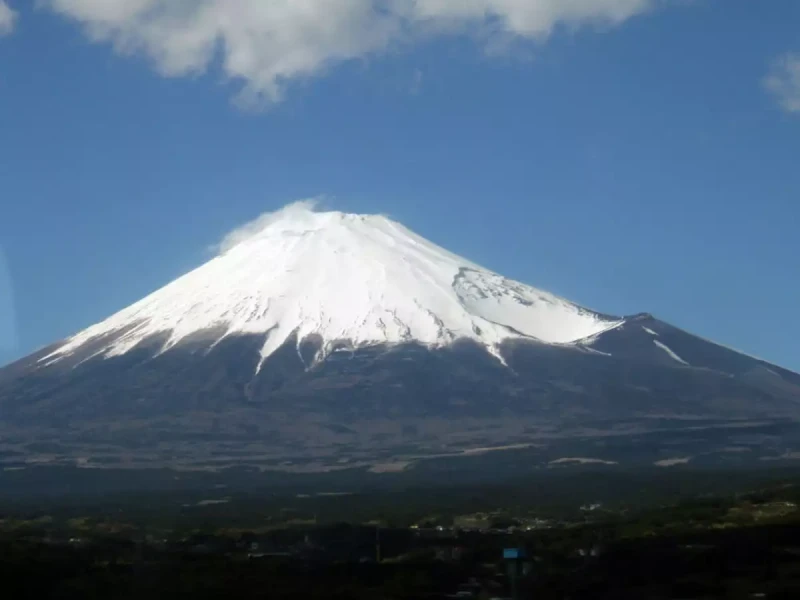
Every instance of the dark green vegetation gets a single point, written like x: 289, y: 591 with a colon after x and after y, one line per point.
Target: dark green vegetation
x: 594, y: 535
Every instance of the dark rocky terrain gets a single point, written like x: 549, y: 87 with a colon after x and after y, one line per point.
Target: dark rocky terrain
x: 388, y: 407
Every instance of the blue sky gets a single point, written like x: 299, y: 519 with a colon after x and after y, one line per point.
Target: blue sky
x: 631, y: 155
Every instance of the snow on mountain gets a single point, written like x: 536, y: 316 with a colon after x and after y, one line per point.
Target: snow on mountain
x: 670, y: 352
x: 356, y: 280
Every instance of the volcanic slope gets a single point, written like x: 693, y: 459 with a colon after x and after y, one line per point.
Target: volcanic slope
x: 340, y: 339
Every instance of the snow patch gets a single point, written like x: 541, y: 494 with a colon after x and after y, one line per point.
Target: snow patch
x: 671, y: 462
x: 595, y: 351
x: 672, y: 354
x: 650, y: 331
x: 528, y: 311
x: 582, y: 461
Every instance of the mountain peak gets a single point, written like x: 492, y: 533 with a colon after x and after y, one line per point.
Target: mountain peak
x: 361, y: 278
x: 296, y: 218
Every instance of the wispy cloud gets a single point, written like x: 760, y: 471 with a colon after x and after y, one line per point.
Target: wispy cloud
x: 266, y: 45
x: 296, y: 211
x: 783, y: 82
x: 8, y: 18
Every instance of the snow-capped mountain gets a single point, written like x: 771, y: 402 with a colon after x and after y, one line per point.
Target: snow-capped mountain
x: 317, y: 340
x: 353, y: 280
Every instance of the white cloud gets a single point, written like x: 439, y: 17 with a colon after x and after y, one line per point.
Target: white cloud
x: 783, y: 81
x: 266, y: 44
x: 298, y: 211
x: 8, y: 18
